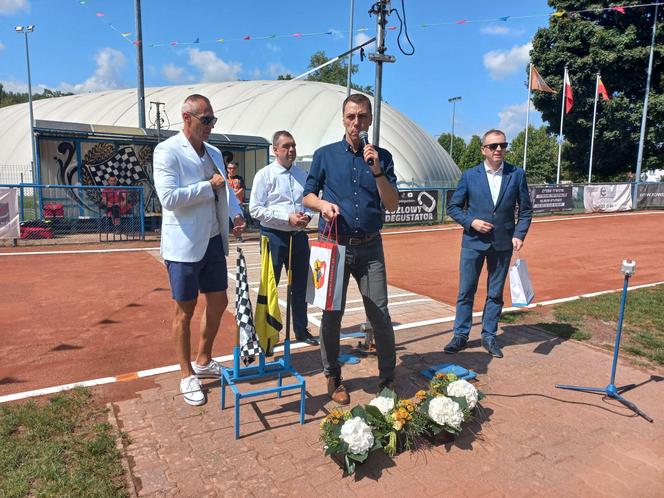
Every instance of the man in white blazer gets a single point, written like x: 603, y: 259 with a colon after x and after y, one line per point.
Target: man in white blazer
x: 196, y: 204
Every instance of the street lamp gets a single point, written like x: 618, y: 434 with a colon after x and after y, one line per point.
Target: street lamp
x: 453, y: 101
x: 25, y: 30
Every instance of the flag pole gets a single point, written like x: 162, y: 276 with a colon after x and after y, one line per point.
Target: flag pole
x: 288, y: 301
x: 525, y: 143
x: 236, y: 348
x: 560, y: 135
x: 592, y: 137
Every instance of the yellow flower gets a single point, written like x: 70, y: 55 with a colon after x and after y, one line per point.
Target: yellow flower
x: 397, y: 425
x: 440, y: 376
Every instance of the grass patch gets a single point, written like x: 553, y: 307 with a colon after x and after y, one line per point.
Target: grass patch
x: 63, y: 447
x: 512, y: 317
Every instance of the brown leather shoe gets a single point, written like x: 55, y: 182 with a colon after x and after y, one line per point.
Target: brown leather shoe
x: 337, y: 391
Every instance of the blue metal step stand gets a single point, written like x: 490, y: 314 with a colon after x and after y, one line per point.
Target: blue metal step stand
x: 611, y: 391
x: 231, y: 377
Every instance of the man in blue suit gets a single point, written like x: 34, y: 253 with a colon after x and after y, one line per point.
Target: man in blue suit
x: 484, y: 203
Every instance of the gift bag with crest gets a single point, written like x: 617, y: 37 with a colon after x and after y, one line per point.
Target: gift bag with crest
x: 521, y: 287
x: 326, y: 270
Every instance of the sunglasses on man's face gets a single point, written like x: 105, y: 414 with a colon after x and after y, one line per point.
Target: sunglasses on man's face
x: 502, y: 145
x: 205, y: 120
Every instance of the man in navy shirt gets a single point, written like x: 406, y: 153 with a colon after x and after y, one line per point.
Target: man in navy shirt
x: 353, y: 184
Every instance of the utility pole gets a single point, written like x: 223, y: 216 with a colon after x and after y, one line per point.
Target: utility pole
x: 381, y: 9
x: 350, y: 47
x: 159, y: 120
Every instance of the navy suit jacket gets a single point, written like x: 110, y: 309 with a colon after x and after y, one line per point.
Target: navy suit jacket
x: 472, y: 200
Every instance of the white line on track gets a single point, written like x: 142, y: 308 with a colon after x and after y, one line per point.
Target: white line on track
x: 174, y: 368
x: 401, y: 232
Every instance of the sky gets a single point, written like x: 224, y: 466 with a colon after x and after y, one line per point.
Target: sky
x: 477, y: 50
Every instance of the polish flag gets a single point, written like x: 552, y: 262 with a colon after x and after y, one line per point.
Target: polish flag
x: 569, y: 98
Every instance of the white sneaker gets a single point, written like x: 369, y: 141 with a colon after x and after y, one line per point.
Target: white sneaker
x: 190, y: 387
x: 212, y: 369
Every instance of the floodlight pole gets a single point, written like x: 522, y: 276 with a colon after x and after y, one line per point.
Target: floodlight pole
x: 139, y: 65
x: 381, y: 9
x: 25, y: 30
x: 350, y: 47
x: 644, y: 116
x: 453, y: 101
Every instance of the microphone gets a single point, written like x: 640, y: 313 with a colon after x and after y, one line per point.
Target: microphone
x: 364, y: 137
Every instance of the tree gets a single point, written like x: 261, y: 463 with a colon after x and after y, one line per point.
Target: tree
x: 458, y: 149
x: 336, y: 73
x: 542, y: 154
x: 11, y: 98
x: 617, y: 45
x: 472, y: 156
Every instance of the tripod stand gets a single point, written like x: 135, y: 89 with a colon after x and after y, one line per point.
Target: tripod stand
x: 611, y: 391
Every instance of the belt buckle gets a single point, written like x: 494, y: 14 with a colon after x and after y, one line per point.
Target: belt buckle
x: 355, y: 241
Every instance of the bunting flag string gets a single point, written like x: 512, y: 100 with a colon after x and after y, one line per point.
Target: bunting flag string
x: 621, y: 9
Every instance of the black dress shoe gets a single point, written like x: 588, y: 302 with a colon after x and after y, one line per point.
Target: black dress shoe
x: 455, y: 345
x: 491, y: 345
x: 307, y: 337
x: 386, y: 384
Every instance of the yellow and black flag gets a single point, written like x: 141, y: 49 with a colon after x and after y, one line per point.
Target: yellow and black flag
x: 267, y: 318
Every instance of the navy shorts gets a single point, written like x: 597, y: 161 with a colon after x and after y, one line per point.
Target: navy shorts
x: 207, y: 275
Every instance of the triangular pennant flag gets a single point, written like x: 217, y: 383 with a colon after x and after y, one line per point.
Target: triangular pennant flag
x: 619, y: 8
x: 601, y: 90
x: 537, y: 82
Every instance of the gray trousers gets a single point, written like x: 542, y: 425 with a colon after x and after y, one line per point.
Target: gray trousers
x: 366, y: 263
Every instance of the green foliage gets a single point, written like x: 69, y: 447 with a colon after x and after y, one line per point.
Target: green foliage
x: 542, y: 154
x: 60, y: 448
x: 472, y: 156
x: 336, y: 73
x: 457, y: 150
x: 11, y: 98
x: 617, y: 45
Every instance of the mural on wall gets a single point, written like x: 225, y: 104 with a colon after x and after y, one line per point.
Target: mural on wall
x: 130, y: 164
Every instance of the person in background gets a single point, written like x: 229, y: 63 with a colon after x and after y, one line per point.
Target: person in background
x: 236, y: 182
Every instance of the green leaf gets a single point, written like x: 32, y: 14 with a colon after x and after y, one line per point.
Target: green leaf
x: 358, y: 458
x: 349, y: 465
x: 359, y: 411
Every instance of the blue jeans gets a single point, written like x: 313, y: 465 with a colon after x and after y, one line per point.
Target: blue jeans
x: 279, y: 247
x: 366, y: 263
x: 470, y: 266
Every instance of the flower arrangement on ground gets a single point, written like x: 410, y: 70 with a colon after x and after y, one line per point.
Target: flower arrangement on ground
x: 349, y: 435
x: 395, y: 425
x: 448, y: 403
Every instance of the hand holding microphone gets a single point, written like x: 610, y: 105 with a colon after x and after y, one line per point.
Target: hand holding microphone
x: 370, y: 154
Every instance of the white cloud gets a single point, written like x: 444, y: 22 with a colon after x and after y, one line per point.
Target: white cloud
x: 256, y: 74
x: 2, y: 46
x: 110, y: 63
x: 16, y: 86
x: 172, y: 72
x: 272, y: 47
x: 274, y: 69
x: 11, y: 6
x: 495, y: 29
x: 337, y: 35
x: 212, y: 68
x: 361, y: 38
x: 502, y: 63
x: 513, y: 118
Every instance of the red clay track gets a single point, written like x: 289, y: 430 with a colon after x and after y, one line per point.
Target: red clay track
x: 73, y: 317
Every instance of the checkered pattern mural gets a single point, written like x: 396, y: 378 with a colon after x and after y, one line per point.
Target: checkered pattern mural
x: 124, y: 165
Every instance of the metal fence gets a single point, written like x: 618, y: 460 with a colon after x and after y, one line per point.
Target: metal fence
x: 77, y: 214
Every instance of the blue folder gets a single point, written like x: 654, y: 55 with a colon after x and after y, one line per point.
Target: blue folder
x: 445, y: 368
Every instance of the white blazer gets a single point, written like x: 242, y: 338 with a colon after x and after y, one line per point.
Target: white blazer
x: 185, y: 194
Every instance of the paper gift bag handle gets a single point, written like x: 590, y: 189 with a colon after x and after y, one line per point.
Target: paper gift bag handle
x: 327, y: 230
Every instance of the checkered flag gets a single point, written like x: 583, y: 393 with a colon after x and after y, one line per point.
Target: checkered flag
x: 124, y: 165
x: 249, y: 347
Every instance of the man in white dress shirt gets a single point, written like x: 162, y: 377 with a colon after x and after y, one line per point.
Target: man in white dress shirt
x: 196, y: 205
x: 276, y: 201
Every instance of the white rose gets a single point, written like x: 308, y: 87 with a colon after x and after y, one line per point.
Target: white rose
x: 445, y: 411
x: 463, y: 389
x: 357, y: 435
x: 383, y: 404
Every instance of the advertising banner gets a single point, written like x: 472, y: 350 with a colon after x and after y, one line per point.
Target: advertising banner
x: 650, y: 195
x: 607, y: 198
x: 9, y: 219
x: 415, y: 207
x: 547, y: 199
